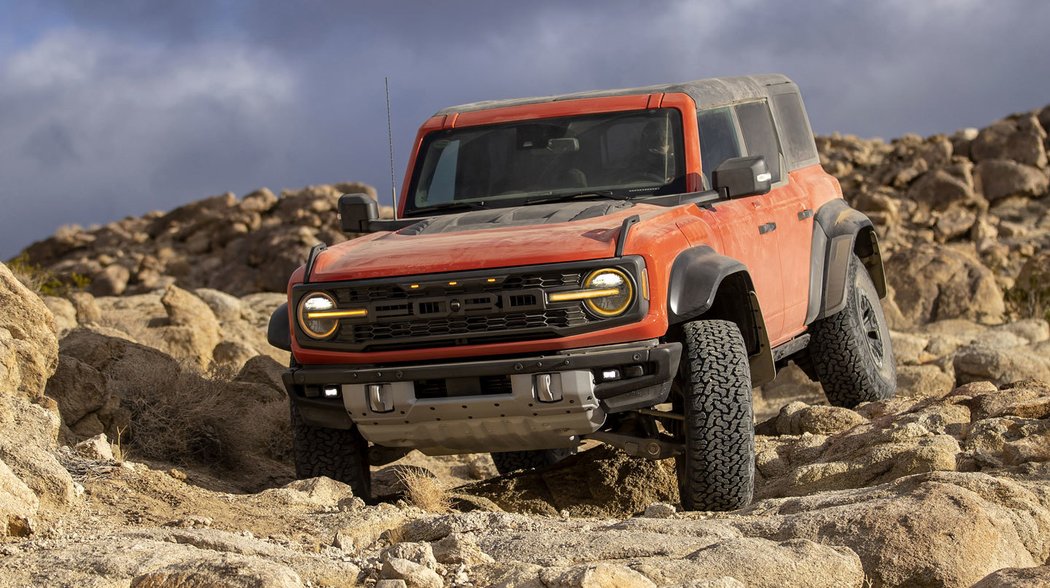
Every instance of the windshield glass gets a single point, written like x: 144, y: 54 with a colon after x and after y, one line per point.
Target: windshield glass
x: 636, y: 153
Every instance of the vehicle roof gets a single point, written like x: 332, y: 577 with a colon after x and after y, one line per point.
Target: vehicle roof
x: 707, y: 93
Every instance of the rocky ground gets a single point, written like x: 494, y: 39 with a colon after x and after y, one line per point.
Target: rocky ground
x: 144, y: 437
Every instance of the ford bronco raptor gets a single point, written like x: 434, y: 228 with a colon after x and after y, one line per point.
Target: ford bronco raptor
x: 619, y: 265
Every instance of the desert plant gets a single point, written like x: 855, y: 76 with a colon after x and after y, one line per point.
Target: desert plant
x: 1030, y: 295
x: 45, y: 282
x: 187, y: 419
x: 424, y: 490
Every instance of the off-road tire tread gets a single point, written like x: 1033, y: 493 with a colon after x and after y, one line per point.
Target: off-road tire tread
x: 508, y: 462
x: 717, y: 471
x: 840, y: 356
x: 340, y: 454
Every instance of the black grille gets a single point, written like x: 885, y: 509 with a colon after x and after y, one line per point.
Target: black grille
x: 464, y: 308
x: 458, y: 387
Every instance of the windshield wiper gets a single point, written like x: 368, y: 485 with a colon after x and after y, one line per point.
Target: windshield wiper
x: 578, y: 195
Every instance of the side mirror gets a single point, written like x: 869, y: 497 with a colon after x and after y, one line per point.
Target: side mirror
x: 742, y: 176
x: 356, y: 212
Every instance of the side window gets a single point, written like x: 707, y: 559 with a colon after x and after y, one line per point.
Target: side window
x: 760, y: 138
x: 799, y: 147
x: 718, y: 139
x: 445, y: 174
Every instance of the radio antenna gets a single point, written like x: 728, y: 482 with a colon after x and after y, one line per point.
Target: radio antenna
x: 390, y: 143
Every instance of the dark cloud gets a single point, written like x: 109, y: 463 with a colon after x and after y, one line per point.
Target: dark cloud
x: 115, y: 108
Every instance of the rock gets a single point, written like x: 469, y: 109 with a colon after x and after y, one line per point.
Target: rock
x: 767, y: 564
x: 96, y: 448
x: 194, y: 328
x: 797, y: 418
x: 260, y: 200
x: 414, y: 575
x: 600, y: 575
x: 29, y: 423
x: 1021, y: 140
x: 659, y: 510
x: 111, y: 281
x: 225, y: 306
x: 933, y: 282
x: 1001, y: 178
x: 18, y: 504
x: 938, y: 529
x: 64, y: 312
x: 391, y: 584
x: 939, y: 189
x: 923, y: 381
x: 28, y: 343
x: 417, y: 553
x: 1037, y: 577
x: 999, y: 365
x: 263, y: 370
x: 460, y: 548
x: 227, y: 570
x: 87, y: 309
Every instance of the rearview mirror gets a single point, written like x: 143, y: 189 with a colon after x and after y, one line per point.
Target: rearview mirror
x: 742, y: 176
x: 356, y: 212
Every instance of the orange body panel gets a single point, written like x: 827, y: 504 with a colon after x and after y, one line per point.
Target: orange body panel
x: 778, y: 260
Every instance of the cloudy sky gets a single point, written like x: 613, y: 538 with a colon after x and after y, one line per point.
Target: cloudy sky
x: 116, y: 108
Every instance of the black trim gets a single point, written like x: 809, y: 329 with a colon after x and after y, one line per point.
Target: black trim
x: 625, y: 229
x: 791, y: 347
x: 312, y: 259
x: 695, y: 276
x: 767, y: 228
x: 842, y: 224
x: 631, y: 265
x: 277, y: 332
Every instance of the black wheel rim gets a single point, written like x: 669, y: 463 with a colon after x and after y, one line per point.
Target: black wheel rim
x: 872, y: 328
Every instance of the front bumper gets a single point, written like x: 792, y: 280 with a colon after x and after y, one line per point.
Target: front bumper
x: 521, y: 413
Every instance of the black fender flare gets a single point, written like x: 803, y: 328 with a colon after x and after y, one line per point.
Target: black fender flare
x: 838, y: 233
x: 696, y: 275
x: 696, y: 289
x: 278, y: 332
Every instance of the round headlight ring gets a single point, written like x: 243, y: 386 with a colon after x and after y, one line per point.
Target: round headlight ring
x: 622, y: 301
x: 324, y: 327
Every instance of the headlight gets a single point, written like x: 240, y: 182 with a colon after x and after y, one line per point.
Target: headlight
x: 607, y: 293
x: 315, y: 315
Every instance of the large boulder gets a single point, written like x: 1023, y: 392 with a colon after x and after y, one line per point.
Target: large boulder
x: 30, y: 476
x: 934, y: 282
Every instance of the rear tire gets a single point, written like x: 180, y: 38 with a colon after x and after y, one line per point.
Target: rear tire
x: 717, y: 470
x: 851, y: 350
x: 340, y: 454
x: 508, y: 462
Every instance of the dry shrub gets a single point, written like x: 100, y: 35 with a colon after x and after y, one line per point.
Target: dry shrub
x: 1030, y: 295
x: 424, y: 490
x: 187, y: 419
x: 43, y: 281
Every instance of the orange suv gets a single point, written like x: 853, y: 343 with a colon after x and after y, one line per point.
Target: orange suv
x: 621, y: 265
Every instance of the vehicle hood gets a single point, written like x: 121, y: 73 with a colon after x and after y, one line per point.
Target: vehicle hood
x: 503, y: 237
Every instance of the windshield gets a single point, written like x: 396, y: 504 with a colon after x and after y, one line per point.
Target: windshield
x: 619, y: 154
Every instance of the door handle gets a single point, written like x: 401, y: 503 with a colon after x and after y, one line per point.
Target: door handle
x: 805, y: 214
x: 767, y: 228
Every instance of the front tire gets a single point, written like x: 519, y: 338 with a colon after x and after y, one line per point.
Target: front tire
x: 340, y: 454
x: 851, y: 350
x: 717, y: 470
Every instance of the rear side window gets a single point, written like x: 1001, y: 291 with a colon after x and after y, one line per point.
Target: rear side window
x: 760, y: 137
x: 718, y: 139
x: 799, y: 147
